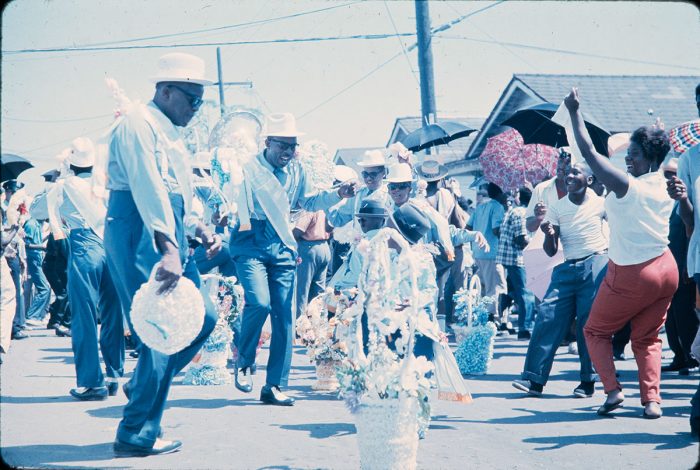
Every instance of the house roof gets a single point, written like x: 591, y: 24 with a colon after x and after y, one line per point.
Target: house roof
x: 620, y: 103
x: 454, y: 151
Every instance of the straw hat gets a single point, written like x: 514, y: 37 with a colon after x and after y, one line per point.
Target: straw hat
x: 281, y: 125
x: 431, y: 170
x: 180, y: 67
x: 344, y: 173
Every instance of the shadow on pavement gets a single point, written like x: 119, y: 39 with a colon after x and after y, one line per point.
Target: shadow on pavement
x: 34, y: 400
x: 322, y: 430
x: 662, y: 441
x: 50, y: 455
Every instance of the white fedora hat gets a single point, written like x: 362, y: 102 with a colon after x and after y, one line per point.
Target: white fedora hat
x: 344, y: 173
x: 281, y: 125
x: 372, y: 158
x: 400, y: 173
x: 82, y: 153
x: 180, y: 67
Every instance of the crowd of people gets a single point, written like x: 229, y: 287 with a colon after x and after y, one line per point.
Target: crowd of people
x: 620, y: 272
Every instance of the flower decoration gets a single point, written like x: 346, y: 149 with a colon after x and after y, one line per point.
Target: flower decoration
x: 475, y: 333
x: 398, y: 153
x: 318, y: 164
x: 468, y: 303
x: 317, y: 333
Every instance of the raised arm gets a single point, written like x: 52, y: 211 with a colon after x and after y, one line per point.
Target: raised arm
x: 614, y: 179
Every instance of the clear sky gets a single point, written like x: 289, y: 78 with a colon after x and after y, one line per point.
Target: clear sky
x: 339, y: 90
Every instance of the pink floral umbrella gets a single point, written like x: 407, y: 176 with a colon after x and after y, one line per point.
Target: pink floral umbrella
x: 509, y: 163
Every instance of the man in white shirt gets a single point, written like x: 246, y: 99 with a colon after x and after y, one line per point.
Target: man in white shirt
x: 577, y: 222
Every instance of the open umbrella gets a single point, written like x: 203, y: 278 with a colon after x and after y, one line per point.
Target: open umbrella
x: 685, y: 136
x: 13, y: 165
x: 508, y: 162
x: 535, y: 125
x: 436, y: 134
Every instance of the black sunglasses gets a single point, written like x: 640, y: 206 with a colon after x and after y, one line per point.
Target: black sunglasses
x: 372, y: 174
x: 195, y: 100
x: 284, y: 146
x: 394, y: 186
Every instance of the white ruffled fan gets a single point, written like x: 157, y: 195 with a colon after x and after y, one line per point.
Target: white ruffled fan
x: 167, y: 323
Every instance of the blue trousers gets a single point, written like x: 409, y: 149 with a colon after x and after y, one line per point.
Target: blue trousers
x: 266, y: 269
x: 523, y: 297
x: 16, y: 271
x: 91, y: 290
x: 311, y: 273
x: 131, y: 255
x: 570, y: 295
x: 42, y: 291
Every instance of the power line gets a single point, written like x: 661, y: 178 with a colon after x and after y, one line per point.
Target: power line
x: 64, y: 141
x: 564, y: 51
x: 219, y: 28
x: 52, y: 121
x: 209, y: 44
x: 403, y: 48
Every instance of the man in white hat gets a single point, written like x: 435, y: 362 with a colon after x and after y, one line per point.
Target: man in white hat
x: 149, y: 178
x: 374, y: 167
x: 265, y: 251
x: 72, y: 206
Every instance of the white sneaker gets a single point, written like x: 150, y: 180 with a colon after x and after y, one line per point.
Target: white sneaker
x: 573, y: 348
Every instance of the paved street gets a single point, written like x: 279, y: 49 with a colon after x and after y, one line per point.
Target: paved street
x: 42, y: 426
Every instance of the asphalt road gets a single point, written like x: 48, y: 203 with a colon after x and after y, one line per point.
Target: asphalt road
x: 42, y: 426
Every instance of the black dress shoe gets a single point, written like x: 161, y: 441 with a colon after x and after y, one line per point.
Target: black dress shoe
x: 674, y: 366
x: 89, y: 393
x: 112, y: 388
x: 62, y: 331
x: 272, y: 395
x: 244, y: 382
x: 20, y: 335
x: 134, y: 354
x: 122, y: 449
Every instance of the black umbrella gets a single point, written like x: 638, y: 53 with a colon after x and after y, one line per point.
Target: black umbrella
x: 436, y: 134
x: 535, y: 125
x: 12, y: 166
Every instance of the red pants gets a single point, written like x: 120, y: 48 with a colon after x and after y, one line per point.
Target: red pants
x: 640, y: 294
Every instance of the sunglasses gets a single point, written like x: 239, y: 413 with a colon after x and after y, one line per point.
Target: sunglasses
x: 195, y: 100
x: 284, y: 146
x: 372, y: 174
x: 395, y: 186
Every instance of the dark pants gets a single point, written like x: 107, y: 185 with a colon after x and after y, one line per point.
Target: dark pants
x: 55, y: 268
x: 311, y: 272
x: 681, y: 322
x: 266, y: 269
x: 339, y: 251
x: 695, y: 401
x: 523, y: 297
x: 15, y: 269
x: 42, y: 291
x: 131, y: 256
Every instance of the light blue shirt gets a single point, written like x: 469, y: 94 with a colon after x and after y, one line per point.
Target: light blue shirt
x: 72, y: 218
x: 300, y: 192
x: 689, y: 173
x: 485, y: 218
x: 138, y: 163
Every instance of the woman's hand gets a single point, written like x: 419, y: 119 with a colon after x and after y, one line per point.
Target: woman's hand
x: 572, y: 101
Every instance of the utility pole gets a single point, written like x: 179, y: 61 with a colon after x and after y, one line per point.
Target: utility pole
x: 425, y: 64
x: 222, y: 103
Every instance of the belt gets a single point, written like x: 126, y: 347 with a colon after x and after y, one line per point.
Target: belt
x: 578, y: 260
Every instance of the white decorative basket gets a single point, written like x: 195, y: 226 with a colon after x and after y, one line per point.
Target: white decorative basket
x: 325, y: 376
x: 387, y: 434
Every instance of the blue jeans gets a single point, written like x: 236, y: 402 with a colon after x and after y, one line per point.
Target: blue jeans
x: 570, y: 295
x: 15, y: 270
x: 131, y: 255
x: 311, y: 273
x: 40, y: 302
x: 266, y: 269
x: 91, y: 290
x: 523, y: 297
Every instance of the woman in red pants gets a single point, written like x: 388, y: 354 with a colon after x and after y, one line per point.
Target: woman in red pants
x: 642, y: 274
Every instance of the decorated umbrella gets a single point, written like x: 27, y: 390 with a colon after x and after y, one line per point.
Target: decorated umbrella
x: 535, y: 125
x: 685, y: 136
x: 13, y: 165
x: 508, y: 162
x: 436, y: 134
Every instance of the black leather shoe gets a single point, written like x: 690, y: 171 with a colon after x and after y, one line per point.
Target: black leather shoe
x: 89, y: 393
x: 122, y: 449
x: 62, y: 331
x: 244, y: 382
x: 272, y: 395
x: 112, y: 388
x: 674, y: 366
x: 20, y: 335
